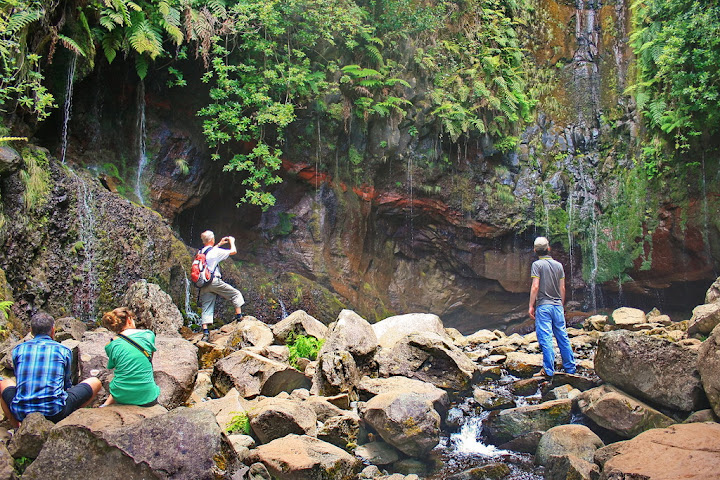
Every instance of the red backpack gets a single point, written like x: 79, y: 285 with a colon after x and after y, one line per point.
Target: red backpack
x: 200, y: 274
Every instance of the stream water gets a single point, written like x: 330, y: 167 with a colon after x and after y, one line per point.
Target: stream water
x: 142, y: 156
x: 67, y: 106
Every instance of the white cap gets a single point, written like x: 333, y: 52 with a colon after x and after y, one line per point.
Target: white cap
x: 542, y: 243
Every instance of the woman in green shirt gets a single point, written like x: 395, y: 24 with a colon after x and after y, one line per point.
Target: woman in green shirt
x: 130, y: 354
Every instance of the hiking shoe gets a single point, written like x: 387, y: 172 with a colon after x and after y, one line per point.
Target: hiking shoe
x: 205, y: 337
x: 542, y: 374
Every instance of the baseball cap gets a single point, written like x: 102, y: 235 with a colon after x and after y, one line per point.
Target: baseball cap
x: 541, y: 242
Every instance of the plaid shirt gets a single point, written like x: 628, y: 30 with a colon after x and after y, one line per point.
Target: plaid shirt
x: 42, y: 370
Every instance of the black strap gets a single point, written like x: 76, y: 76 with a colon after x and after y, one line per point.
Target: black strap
x: 136, y: 345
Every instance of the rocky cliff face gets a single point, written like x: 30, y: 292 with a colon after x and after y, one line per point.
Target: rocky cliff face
x: 420, y: 223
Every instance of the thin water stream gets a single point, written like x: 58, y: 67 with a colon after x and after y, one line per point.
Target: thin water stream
x: 67, y: 107
x: 142, y: 156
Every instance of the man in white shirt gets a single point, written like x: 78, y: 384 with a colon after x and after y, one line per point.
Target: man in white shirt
x: 208, y: 294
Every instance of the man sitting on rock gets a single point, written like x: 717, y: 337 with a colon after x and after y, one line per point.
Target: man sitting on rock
x: 43, y: 370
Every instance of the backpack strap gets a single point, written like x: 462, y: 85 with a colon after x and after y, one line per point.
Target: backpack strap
x: 212, y: 272
x: 136, y: 345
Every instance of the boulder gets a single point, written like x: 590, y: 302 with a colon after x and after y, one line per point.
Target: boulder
x: 481, y: 337
x: 704, y: 319
x: 110, y: 418
x: 369, y: 387
x: 274, y: 418
x: 596, y: 322
x: 504, y: 425
x: 30, y: 437
x: 352, y: 333
x: 251, y: 332
x: 7, y: 464
x: 336, y: 372
x: 576, y: 440
x: 69, y: 328
x: 523, y: 364
x: 377, y: 453
x: 652, y: 369
x: 708, y: 366
x: 175, y: 365
x: 322, y: 407
x: 625, y: 317
x: 153, y: 308
x: 614, y: 410
x: 299, y: 323
x: 249, y: 373
x: 91, y: 355
x: 687, y: 451
x: 713, y: 293
x: 163, y: 446
x: 405, y: 420
x: 491, y: 471
x: 564, y: 467
x: 10, y: 160
x: 490, y: 400
x: 430, y: 358
x: 224, y: 409
x: 525, y: 387
x: 300, y: 457
x: 394, y: 329
x: 341, y: 430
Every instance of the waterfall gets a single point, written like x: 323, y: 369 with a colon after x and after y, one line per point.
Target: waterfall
x: 283, y: 310
x: 142, y: 157
x: 85, y: 303
x: 193, y: 318
x: 410, y: 196
x: 467, y: 439
x: 67, y: 107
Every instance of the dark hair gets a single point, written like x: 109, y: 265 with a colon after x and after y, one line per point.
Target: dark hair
x: 541, y: 251
x: 41, y: 324
x: 117, y: 319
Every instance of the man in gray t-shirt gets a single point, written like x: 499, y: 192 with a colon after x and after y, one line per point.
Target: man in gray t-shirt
x: 547, y: 296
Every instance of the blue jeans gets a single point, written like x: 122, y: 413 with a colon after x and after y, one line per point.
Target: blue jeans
x: 549, y: 321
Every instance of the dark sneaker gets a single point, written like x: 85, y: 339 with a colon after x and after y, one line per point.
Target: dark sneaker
x: 205, y: 337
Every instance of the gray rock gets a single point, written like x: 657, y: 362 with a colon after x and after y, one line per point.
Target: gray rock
x: 352, y: 333
x: 709, y: 366
x: 336, y: 373
x: 406, y: 421
x: 341, y: 430
x: 7, y: 464
x: 564, y: 440
x: 713, y: 293
x: 274, y: 418
x: 394, y: 329
x: 504, y: 425
x: 523, y: 364
x: 563, y: 467
x: 69, y: 328
x: 369, y: 387
x: 299, y: 323
x: 175, y: 365
x: 249, y: 372
x: 377, y: 453
x: 489, y: 400
x: 652, y: 369
x: 10, y: 160
x: 304, y: 457
x: 163, y: 446
x: 430, y: 358
x: 225, y: 408
x: 251, y: 332
x: 153, y: 308
x: 30, y: 437
x: 612, y: 409
x: 704, y: 319
x: 625, y: 317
